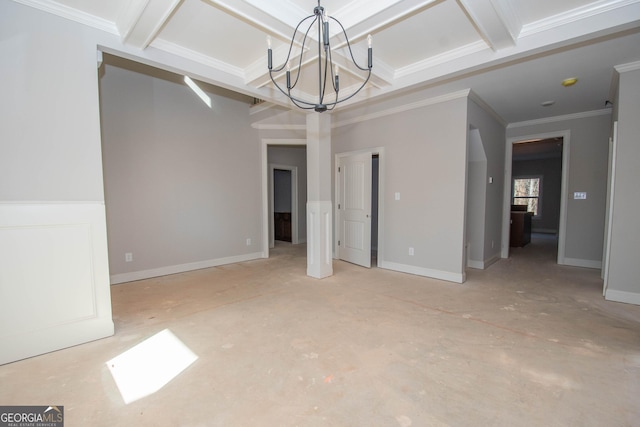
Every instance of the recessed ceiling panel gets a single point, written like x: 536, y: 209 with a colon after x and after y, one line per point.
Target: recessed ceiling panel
x: 204, y: 28
x: 431, y: 32
x: 530, y: 11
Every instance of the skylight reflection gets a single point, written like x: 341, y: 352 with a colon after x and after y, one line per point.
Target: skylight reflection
x: 201, y: 94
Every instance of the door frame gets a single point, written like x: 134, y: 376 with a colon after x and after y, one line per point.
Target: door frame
x: 564, y: 188
x: 381, y: 186
x: 265, y: 143
x: 294, y: 202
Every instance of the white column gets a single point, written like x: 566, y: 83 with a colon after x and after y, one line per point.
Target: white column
x: 319, y: 206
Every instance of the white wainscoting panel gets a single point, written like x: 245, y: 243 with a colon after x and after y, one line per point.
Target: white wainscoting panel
x: 54, y: 277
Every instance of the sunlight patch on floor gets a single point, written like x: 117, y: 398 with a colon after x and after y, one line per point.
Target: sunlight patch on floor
x: 146, y: 368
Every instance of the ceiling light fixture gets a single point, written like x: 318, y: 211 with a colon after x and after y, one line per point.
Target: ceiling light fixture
x: 569, y: 82
x: 548, y: 103
x: 326, y: 67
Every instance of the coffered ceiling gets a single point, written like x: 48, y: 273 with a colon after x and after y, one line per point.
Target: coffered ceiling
x: 512, y: 53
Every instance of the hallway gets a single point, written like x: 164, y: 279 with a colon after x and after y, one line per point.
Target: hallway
x: 525, y: 342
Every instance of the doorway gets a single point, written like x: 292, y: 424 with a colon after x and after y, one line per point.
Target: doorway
x: 287, y: 156
x: 283, y: 195
x: 535, y: 193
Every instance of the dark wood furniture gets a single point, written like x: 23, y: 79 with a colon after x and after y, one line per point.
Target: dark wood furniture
x: 520, y: 233
x: 282, y: 226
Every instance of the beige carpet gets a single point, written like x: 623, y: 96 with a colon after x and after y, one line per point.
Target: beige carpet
x: 525, y: 342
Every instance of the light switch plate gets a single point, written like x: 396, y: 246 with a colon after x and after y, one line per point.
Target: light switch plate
x: 580, y: 195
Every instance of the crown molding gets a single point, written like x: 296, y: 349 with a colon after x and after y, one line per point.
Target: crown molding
x: 275, y: 126
x: 412, y: 106
x: 183, y: 52
x: 631, y: 66
x: 577, y: 14
x: 486, y: 107
x: 451, y: 55
x: 562, y: 118
x: 72, y: 14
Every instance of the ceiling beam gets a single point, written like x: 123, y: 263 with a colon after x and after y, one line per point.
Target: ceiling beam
x: 495, y: 20
x: 139, y: 21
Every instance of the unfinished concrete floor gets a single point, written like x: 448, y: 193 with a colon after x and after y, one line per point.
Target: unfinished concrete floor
x: 523, y: 343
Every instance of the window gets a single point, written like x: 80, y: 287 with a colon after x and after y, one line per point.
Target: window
x: 527, y: 191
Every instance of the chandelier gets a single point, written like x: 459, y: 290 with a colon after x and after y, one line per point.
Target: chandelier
x: 327, y: 72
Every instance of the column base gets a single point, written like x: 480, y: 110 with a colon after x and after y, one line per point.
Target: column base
x: 319, y: 239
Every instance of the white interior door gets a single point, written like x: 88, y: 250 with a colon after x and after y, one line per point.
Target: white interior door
x: 354, y: 209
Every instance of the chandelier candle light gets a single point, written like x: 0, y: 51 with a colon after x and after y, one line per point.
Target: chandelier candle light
x: 325, y: 63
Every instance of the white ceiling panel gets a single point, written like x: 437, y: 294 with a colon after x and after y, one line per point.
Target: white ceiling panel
x: 513, y: 55
x: 530, y: 11
x: 203, y: 28
x: 434, y: 31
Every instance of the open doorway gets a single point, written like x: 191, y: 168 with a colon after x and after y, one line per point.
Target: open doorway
x: 535, y: 193
x: 283, y: 203
x: 284, y: 191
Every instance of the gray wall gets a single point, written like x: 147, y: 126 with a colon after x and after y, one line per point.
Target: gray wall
x: 291, y: 155
x: 492, y: 135
x: 624, y: 268
x: 182, y: 181
x: 551, y: 171
x: 50, y: 132
x: 425, y: 161
x: 589, y: 149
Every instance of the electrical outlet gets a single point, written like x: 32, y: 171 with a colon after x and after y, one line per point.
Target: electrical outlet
x: 248, y: 242
x: 128, y: 257
x: 411, y: 251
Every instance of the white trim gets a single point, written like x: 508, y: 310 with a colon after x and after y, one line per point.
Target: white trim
x: 506, y: 217
x: 482, y: 265
x: 183, y: 52
x: 487, y: 108
x: 611, y: 194
x: 622, y: 296
x: 585, y: 263
x: 420, y: 271
x: 277, y: 126
x: 573, y: 15
x: 69, y: 307
x: 181, y: 268
x: 443, y: 58
x: 265, y: 142
x: 631, y: 66
x: 422, y: 103
x: 562, y: 118
x: 72, y: 14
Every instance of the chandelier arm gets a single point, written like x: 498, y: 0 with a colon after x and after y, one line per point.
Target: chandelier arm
x: 288, y: 95
x: 304, y: 40
x: 349, y: 46
x: 354, y: 93
x: 277, y: 70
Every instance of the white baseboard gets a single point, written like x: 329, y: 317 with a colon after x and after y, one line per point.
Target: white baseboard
x: 481, y: 265
x: 420, y: 271
x: 181, y: 268
x: 622, y: 296
x: 586, y: 263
